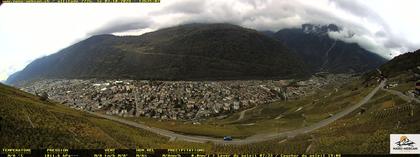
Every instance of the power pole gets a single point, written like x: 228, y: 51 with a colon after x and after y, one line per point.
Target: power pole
x: 412, y: 110
x: 417, y: 82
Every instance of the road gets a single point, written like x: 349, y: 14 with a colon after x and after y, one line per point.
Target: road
x: 401, y: 95
x: 242, y: 115
x: 398, y: 93
x: 251, y: 139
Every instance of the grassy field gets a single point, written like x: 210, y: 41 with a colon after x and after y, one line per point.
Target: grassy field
x: 369, y: 132
x: 356, y: 133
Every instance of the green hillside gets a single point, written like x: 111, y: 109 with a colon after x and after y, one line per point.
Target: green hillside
x: 401, y: 64
x: 186, y: 52
x: 357, y: 133
x: 404, y: 64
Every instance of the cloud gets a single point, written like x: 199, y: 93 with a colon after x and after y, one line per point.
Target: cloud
x: 5, y: 71
x: 279, y: 14
x: 3, y: 76
x: 357, y: 8
x: 370, y: 30
x: 375, y: 26
x: 384, y: 39
x: 123, y: 25
x: 364, y: 41
x: 185, y: 7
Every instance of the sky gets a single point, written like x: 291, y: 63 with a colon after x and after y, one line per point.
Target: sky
x: 33, y: 30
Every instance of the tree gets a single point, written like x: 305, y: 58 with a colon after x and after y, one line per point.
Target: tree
x: 44, y: 96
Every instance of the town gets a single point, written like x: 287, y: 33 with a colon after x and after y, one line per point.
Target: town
x: 176, y: 100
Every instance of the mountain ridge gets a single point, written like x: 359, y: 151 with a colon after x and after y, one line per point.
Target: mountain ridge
x: 185, y: 52
x: 403, y: 64
x: 322, y: 53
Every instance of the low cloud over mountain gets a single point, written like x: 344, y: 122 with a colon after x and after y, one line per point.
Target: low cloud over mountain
x: 387, y: 28
x: 369, y: 29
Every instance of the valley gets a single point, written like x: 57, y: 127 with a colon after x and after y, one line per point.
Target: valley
x: 177, y: 100
x: 280, y: 126
x: 277, y: 106
x: 218, y: 87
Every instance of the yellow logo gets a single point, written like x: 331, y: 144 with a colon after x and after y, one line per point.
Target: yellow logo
x: 404, y: 141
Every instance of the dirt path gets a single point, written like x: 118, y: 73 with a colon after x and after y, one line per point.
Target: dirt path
x: 250, y: 139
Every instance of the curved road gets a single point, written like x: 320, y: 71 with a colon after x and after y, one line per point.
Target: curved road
x: 242, y: 115
x: 401, y: 95
x: 250, y: 139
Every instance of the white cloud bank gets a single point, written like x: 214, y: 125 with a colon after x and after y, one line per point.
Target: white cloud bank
x: 29, y: 31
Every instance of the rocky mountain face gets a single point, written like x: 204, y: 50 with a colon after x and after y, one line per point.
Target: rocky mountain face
x: 186, y: 52
x: 322, y: 53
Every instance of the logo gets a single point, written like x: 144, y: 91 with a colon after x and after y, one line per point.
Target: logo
x: 404, y: 143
